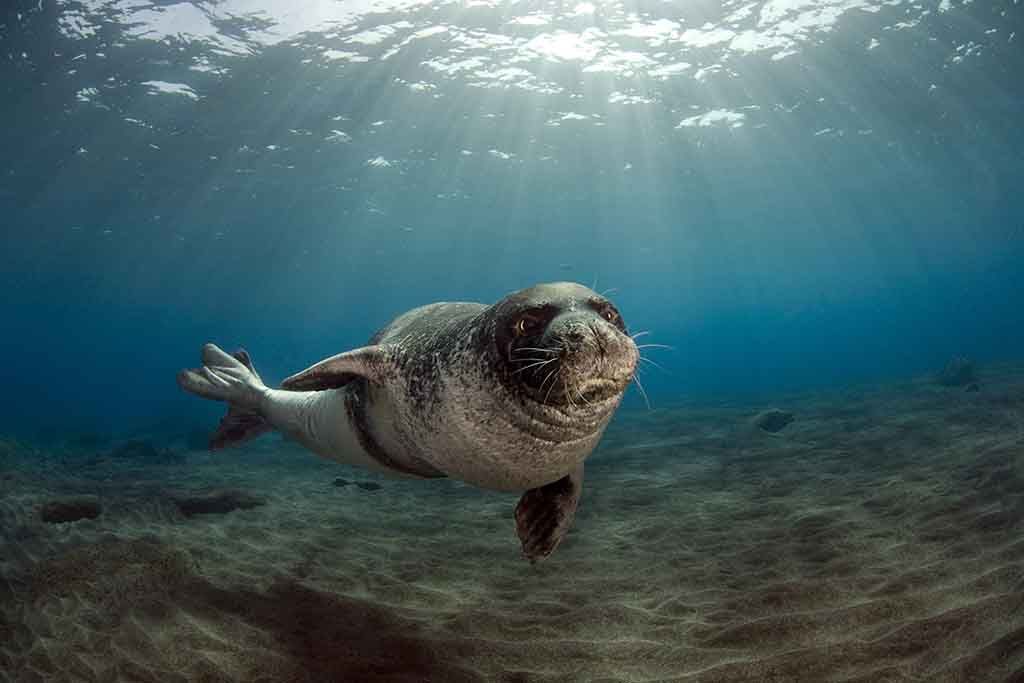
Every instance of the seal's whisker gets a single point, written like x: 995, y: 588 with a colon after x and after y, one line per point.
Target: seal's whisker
x: 648, y: 360
x: 580, y: 396
x: 655, y: 346
x: 534, y: 348
x: 568, y: 397
x: 546, y: 378
x: 642, y: 391
x: 528, y: 367
x: 535, y: 365
x: 639, y: 334
x: 553, y: 372
x: 610, y: 290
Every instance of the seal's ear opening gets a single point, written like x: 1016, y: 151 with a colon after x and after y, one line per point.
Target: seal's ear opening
x: 368, y: 362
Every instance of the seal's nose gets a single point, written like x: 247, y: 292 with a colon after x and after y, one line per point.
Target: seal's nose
x: 579, y: 332
x: 575, y: 334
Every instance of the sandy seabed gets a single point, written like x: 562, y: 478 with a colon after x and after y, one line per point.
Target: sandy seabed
x: 876, y: 538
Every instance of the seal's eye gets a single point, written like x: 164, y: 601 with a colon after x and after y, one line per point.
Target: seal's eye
x: 610, y: 314
x: 525, y: 325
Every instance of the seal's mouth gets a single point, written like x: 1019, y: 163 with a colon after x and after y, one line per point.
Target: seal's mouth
x: 597, y: 389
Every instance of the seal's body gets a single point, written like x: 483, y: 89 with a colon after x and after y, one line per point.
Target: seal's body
x: 511, y: 397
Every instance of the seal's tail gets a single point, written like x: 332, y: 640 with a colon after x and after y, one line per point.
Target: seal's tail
x: 231, y: 378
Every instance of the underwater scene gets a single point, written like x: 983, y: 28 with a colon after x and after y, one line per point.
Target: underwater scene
x: 521, y: 341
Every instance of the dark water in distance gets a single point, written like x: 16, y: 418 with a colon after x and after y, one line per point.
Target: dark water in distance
x: 792, y: 194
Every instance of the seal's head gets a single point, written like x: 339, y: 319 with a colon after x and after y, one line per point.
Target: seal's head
x: 563, y: 346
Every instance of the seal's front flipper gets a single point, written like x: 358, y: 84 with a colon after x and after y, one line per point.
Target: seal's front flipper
x: 544, y: 515
x: 372, y: 363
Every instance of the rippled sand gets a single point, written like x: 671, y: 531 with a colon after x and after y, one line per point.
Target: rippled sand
x: 877, y: 538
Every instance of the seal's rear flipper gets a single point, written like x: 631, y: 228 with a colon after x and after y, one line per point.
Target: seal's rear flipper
x: 230, y: 378
x: 238, y: 426
x: 544, y: 515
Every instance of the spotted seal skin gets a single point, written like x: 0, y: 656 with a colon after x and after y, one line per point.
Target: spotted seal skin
x: 510, y: 397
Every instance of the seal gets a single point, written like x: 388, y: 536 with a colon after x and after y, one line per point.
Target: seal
x: 509, y: 397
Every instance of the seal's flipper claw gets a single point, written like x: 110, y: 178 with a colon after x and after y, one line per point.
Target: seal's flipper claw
x: 544, y: 515
x: 369, y: 362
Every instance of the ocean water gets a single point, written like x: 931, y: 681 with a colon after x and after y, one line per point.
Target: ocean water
x: 802, y: 199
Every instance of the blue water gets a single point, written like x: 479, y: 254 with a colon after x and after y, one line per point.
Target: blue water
x: 793, y: 195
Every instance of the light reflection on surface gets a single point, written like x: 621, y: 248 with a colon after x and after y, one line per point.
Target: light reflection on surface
x: 498, y: 44
x: 371, y: 113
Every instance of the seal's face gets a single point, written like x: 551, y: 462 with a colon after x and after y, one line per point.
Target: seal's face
x: 563, y: 345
